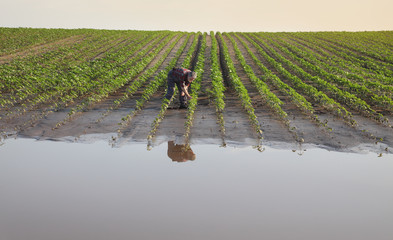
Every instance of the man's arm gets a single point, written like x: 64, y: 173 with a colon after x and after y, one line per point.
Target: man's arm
x: 184, y: 89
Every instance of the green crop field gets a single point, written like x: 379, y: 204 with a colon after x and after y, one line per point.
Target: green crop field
x: 327, y: 78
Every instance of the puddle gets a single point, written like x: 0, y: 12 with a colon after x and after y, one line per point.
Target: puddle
x: 58, y: 190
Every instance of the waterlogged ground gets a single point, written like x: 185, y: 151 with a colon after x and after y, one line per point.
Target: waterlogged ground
x: 369, y: 136
x: 59, y: 190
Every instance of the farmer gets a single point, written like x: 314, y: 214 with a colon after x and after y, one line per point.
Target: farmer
x: 181, y: 77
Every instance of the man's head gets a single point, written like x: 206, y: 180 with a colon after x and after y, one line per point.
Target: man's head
x: 191, y: 76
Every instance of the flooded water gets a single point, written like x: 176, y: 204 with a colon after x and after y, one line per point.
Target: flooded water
x: 60, y: 191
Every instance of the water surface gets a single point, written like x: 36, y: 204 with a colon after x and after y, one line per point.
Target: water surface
x: 61, y: 191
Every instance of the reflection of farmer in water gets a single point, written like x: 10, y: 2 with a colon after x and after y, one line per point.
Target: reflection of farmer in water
x: 179, y: 153
x: 182, y: 78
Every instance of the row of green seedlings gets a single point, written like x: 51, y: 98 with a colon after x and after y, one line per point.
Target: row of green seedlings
x: 346, y: 70
x: 113, y: 45
x: 363, y: 52
x: 196, y: 86
x: 13, y: 42
x: 96, y: 38
x: 341, y: 96
x: 297, y: 72
x: 268, y: 76
x: 128, y: 68
x: 158, y: 81
x: 20, y: 85
x: 375, y: 44
x: 120, y: 61
x: 316, y: 95
x: 39, y: 65
x: 218, y: 88
x: 78, y: 79
x: 371, y: 136
x: 273, y: 102
x: 18, y: 39
x: 311, y: 57
x: 118, y: 78
x: 18, y: 77
x: 81, y: 79
x: 85, y: 78
x: 141, y: 80
x: 378, y: 42
x: 239, y: 87
x: 47, y: 75
x: 166, y: 102
x: 44, y: 50
x: 359, y: 91
x: 335, y: 58
x: 360, y: 41
x: 34, y: 80
x: 367, y: 64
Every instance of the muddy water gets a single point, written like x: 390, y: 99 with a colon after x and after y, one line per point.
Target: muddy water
x: 61, y: 191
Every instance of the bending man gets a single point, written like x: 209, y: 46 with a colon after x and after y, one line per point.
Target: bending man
x: 182, y: 78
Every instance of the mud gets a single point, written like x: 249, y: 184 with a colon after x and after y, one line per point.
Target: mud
x: 206, y: 130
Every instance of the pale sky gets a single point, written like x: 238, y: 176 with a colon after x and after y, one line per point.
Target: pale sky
x: 201, y: 15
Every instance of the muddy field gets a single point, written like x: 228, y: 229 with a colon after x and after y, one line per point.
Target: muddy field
x: 100, y: 122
